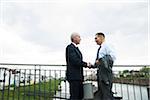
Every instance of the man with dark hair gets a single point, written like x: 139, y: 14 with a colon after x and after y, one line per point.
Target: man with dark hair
x: 104, y: 63
x: 75, y: 64
x: 100, y: 33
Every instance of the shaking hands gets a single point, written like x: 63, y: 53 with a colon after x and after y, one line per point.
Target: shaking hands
x: 89, y: 65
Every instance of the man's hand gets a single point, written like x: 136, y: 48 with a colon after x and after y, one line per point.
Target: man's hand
x: 97, y: 62
x: 89, y: 65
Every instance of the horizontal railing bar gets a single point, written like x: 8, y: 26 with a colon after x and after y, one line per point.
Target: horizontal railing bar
x: 65, y: 65
x: 130, y: 65
x: 32, y: 64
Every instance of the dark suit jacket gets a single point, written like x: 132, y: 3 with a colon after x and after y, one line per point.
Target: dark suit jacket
x: 74, y: 63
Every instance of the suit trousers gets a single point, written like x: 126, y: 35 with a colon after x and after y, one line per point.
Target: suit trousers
x: 104, y: 91
x: 76, y: 90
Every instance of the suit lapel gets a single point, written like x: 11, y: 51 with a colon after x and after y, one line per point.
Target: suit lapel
x: 77, y: 50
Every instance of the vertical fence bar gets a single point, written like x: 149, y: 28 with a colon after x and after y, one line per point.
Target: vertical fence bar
x: 133, y: 88
x: 121, y: 94
x: 128, y: 91
x: 29, y: 91
x: 86, y: 74
x: 148, y: 92
x: 65, y: 86
x: 50, y: 83
x: 121, y: 87
x: 4, y: 79
x: 55, y: 83
x: 14, y: 81
x: 19, y: 84
x: 39, y: 83
x: 9, y: 84
x: 0, y: 82
x: 115, y: 88
x: 44, y: 84
x: 140, y: 88
x: 59, y: 88
x: 24, y: 86
x: 35, y: 82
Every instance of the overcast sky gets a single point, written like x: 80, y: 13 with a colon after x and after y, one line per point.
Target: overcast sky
x: 38, y: 31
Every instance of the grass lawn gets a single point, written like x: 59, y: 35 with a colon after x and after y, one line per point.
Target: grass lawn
x: 39, y: 91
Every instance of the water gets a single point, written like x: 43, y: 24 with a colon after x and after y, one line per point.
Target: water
x: 131, y: 92
x: 128, y: 92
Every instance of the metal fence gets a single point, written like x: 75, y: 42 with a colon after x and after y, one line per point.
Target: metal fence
x: 47, y: 82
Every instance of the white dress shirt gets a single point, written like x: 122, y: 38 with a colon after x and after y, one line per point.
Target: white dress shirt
x: 74, y: 44
x: 106, y: 50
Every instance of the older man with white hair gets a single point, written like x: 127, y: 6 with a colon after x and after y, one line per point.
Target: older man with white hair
x: 75, y: 64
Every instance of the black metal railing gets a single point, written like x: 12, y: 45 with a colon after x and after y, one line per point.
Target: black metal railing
x: 47, y: 82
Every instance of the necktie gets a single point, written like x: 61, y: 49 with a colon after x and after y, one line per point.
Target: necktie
x: 97, y: 57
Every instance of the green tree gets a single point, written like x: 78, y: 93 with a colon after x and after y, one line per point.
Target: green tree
x: 145, y: 71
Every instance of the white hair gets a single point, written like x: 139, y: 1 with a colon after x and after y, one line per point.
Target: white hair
x: 73, y: 35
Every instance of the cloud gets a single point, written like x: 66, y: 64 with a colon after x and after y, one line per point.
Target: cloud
x: 43, y: 28
x: 15, y: 50
x: 131, y: 48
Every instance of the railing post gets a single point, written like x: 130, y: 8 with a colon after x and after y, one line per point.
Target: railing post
x: 35, y: 82
x: 24, y: 82
x: 19, y: 84
x: 29, y: 77
x: 148, y: 92
x: 39, y: 83
x: 44, y: 84
x: 9, y: 84
x: 3, y: 90
x: 14, y: 86
x: 50, y: 83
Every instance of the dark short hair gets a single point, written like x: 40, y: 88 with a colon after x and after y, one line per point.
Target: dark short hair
x: 100, y: 33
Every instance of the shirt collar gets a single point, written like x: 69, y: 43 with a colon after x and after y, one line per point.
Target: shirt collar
x: 74, y: 44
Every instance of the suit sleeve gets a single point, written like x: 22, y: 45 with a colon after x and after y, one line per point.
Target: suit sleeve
x: 74, y: 59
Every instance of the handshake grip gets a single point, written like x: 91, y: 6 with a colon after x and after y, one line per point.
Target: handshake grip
x: 89, y: 65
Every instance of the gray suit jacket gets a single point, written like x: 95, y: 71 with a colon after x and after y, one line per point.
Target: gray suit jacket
x: 104, y: 72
